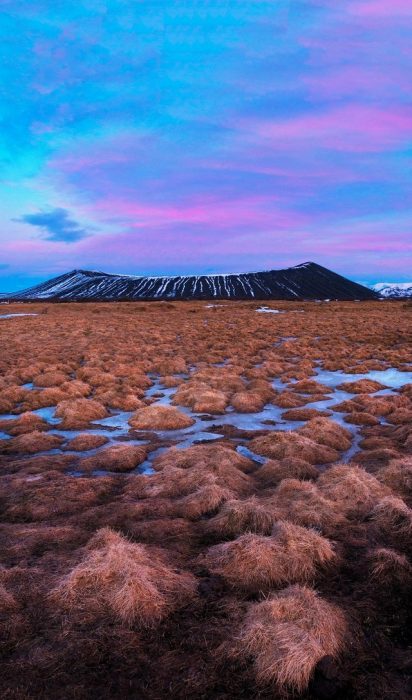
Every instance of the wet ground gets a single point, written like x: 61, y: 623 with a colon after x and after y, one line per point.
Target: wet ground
x: 117, y: 430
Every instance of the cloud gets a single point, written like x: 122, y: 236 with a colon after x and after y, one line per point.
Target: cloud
x: 57, y: 225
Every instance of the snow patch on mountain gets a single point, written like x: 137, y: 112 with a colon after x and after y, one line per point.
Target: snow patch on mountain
x: 393, y: 290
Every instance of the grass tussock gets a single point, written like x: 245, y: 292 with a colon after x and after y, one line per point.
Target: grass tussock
x: 26, y: 423
x: 85, y: 442
x: 216, y: 458
x: 160, y: 418
x: 304, y: 504
x: 398, y: 477
x: 201, y: 397
x: 393, y: 518
x: 284, y: 445
x: 352, y: 489
x: 248, y: 402
x: 236, y: 517
x: 389, y: 567
x: 129, y: 580
x: 116, y: 458
x: 292, y: 554
x: 288, y: 634
x: 273, y: 472
x: 30, y: 443
x: 326, y: 432
x: 76, y: 413
x: 361, y: 386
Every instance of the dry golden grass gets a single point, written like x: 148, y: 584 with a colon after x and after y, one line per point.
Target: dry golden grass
x: 200, y: 397
x: 361, y: 386
x: 361, y: 418
x: 393, y: 517
x: 77, y: 413
x: 287, y: 634
x: 30, y: 443
x: 292, y: 554
x: 304, y: 504
x: 389, y: 567
x: 289, y: 445
x: 129, y: 580
x: 398, y: 476
x: 351, y: 488
x: 116, y: 458
x: 84, y: 442
x: 272, y: 472
x: 96, y: 357
x: 160, y: 418
x: 216, y: 457
x: 25, y: 423
x: 248, y: 402
x: 236, y: 517
x: 325, y: 431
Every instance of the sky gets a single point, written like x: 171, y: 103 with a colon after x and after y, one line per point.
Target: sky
x: 176, y: 137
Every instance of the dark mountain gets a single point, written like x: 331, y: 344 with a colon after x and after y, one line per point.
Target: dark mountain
x: 306, y: 281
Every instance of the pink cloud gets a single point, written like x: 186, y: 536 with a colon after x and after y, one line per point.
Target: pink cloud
x: 256, y: 211
x: 381, y: 8
x: 353, y: 128
x: 350, y: 80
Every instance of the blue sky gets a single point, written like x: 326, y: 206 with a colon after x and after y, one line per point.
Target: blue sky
x: 176, y: 137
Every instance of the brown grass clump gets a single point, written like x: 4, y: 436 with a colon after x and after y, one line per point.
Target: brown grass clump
x: 77, y: 413
x: 303, y: 414
x: 255, y: 563
x: 116, y: 458
x: 50, y: 379
x: 310, y: 386
x: 201, y: 397
x: 390, y: 567
x: 216, y: 458
x: 248, y: 402
x: 236, y: 517
x: 326, y: 432
x: 403, y: 416
x: 193, y: 492
x: 8, y: 603
x: 398, y: 476
x: 361, y: 386
x: 203, y: 500
x: 131, y: 581
x: 361, y: 418
x: 288, y: 399
x: 287, y: 634
x: 353, y: 490
x: 53, y: 495
x: 211, y: 401
x: 120, y: 401
x: 303, y: 503
x: 85, y: 442
x: 393, y: 518
x: 30, y: 443
x: 286, y: 445
x: 271, y: 473
x: 76, y: 388
x: 25, y: 423
x: 160, y: 418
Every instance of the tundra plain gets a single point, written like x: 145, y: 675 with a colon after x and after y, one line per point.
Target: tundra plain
x: 204, y: 500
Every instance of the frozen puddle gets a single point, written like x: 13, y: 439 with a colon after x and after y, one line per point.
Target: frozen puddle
x: 14, y: 315
x: 206, y: 427
x: 267, y: 310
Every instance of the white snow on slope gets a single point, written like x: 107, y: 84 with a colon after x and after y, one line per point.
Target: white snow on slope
x: 393, y: 289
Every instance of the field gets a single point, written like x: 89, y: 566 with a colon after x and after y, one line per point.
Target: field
x: 206, y: 500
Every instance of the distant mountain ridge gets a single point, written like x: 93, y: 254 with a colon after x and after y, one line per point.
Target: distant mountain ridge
x: 393, y: 290
x: 305, y: 281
